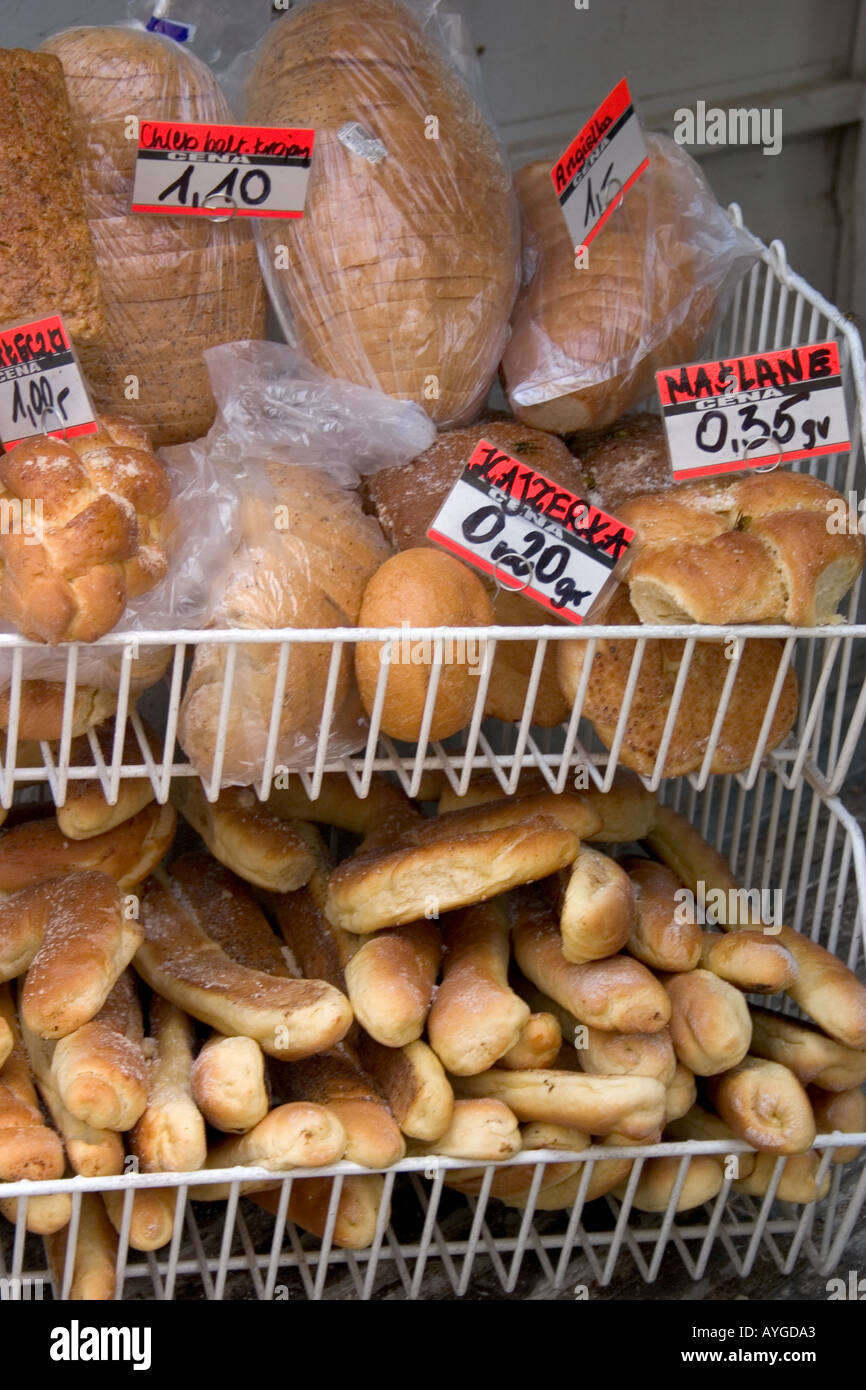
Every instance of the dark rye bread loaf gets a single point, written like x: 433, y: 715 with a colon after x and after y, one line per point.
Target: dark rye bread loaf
x: 402, y: 273
x: 173, y: 286
x: 49, y: 264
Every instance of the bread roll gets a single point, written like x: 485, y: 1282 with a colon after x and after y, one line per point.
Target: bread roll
x: 288, y: 1018
x: 247, y: 837
x: 229, y: 1085
x: 658, y: 937
x: 482, y: 1130
x: 28, y: 1147
x: 86, y: 945
x: 537, y: 1046
x: 92, y: 1153
x: 95, y: 1255
x: 625, y: 813
x: 772, y: 558
x: 414, y: 1083
x: 626, y: 460
x: 310, y: 1200
x: 597, y: 913
x: 799, y: 1181
x: 391, y: 980
x: 680, y: 1094
x: 755, y: 963
x: 809, y: 1054
x: 227, y: 909
x: 710, y: 1024
x: 100, y: 1069
x: 511, y: 1184
x: 298, y: 1135
x: 765, y: 1104
x: 840, y: 1112
x: 37, y: 850
x: 334, y: 1080
x: 422, y: 588
x: 385, y: 807
x: 170, y: 1136
x: 46, y: 1213
x: 397, y: 278
x: 476, y: 1017
x: 85, y: 811
x: 698, y: 1123
x: 655, y: 1186
x: 618, y: 995
x: 629, y: 1054
x: 151, y: 1218
x: 173, y: 286
x: 646, y: 721
x: 585, y: 343
x: 454, y: 861
x: 631, y: 1105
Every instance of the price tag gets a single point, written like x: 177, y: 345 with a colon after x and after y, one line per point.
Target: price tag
x: 42, y: 390
x: 754, y: 412
x: 530, y: 534
x: 199, y: 170
x: 602, y: 162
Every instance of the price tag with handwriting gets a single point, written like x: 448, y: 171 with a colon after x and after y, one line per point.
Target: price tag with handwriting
x: 530, y: 534
x: 42, y: 390
x: 602, y: 162
x: 754, y: 412
x: 219, y: 171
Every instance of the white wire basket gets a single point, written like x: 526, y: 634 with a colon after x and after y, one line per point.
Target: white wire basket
x: 431, y: 1241
x: 773, y: 307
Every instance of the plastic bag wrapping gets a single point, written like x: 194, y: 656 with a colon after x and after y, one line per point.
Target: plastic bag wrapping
x: 173, y: 286
x: 199, y: 535
x: 586, y: 342
x: 402, y: 273
x: 290, y: 441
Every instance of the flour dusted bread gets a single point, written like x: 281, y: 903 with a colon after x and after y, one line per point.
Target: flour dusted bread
x: 103, y: 501
x: 49, y: 265
x: 585, y: 342
x: 173, y: 286
x: 645, y: 724
x: 755, y: 549
x: 402, y: 273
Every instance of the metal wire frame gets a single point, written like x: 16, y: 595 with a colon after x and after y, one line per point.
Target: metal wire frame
x: 772, y: 307
x: 797, y: 841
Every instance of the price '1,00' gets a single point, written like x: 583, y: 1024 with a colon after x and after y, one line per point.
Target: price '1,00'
x: 253, y: 188
x: 38, y: 402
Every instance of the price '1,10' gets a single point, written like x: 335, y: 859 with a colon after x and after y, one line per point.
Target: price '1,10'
x: 252, y: 190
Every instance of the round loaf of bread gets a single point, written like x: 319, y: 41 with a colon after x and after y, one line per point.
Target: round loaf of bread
x: 402, y: 272
x: 587, y: 341
x: 173, y: 286
x: 422, y: 588
x: 700, y: 697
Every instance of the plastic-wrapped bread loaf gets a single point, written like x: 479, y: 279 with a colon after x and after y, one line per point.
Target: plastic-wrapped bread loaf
x: 402, y: 272
x: 49, y: 264
x: 173, y: 286
x: 587, y: 340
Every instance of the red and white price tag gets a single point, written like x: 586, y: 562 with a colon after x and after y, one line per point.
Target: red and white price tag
x: 530, y: 534
x: 754, y: 412
x: 42, y: 390
x: 602, y: 162
x: 220, y: 171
